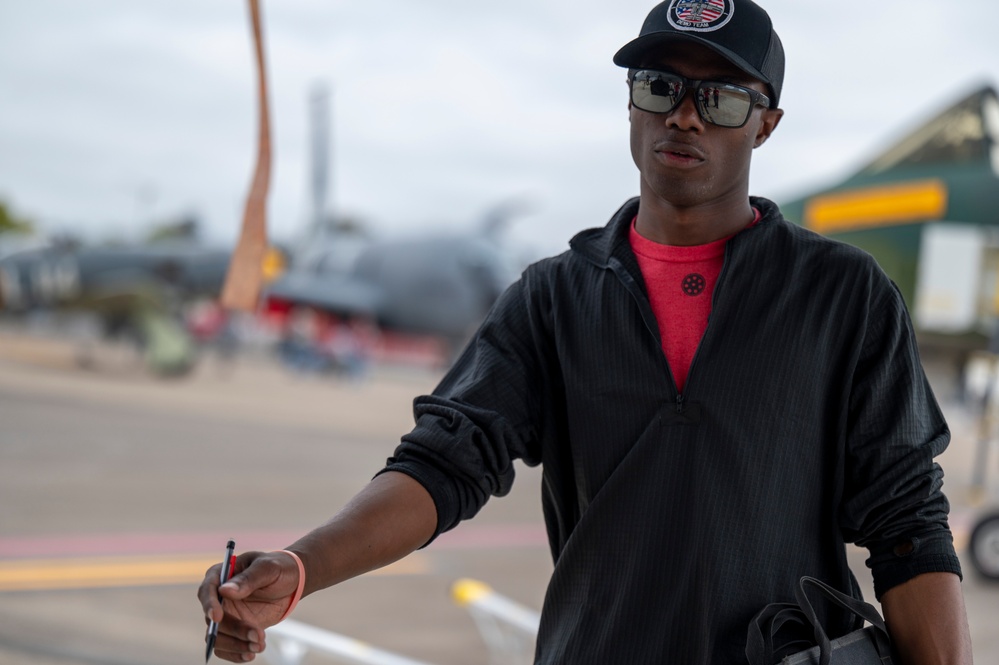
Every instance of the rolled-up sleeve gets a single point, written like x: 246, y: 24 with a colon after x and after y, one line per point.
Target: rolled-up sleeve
x: 484, y: 414
x: 893, y: 501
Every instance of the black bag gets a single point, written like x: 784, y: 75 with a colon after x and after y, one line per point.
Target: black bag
x: 790, y: 634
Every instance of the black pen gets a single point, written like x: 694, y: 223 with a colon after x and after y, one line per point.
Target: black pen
x: 227, y: 565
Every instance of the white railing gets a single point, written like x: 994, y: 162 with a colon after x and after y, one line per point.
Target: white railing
x: 294, y: 640
x: 507, y: 628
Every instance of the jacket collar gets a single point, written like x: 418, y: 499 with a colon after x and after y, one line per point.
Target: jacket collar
x: 601, y: 245
x: 598, y: 245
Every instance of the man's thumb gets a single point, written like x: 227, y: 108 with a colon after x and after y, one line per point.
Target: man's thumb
x: 245, y: 582
x: 236, y: 588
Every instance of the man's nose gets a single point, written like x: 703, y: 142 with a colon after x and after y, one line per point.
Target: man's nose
x: 685, y: 115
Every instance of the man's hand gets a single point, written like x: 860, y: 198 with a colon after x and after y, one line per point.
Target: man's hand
x: 255, y: 598
x: 392, y: 516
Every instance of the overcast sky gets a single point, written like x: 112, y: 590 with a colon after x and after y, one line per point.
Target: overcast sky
x: 115, y: 113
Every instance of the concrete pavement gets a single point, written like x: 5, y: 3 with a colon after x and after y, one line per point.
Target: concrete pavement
x: 150, y: 477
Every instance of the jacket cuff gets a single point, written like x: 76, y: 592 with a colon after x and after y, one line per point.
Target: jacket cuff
x: 440, y: 489
x: 907, y: 558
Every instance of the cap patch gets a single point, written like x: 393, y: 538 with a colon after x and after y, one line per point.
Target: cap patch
x: 703, y: 16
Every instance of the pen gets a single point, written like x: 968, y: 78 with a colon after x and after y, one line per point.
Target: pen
x: 227, y: 565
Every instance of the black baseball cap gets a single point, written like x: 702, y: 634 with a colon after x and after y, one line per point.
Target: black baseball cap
x: 739, y: 30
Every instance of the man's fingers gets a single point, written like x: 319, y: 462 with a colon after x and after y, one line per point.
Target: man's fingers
x: 254, y: 598
x: 208, y: 594
x: 239, y: 645
x: 234, y: 656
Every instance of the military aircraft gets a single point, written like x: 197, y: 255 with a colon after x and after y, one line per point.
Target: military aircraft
x: 134, y: 290
x: 438, y: 284
x: 927, y: 209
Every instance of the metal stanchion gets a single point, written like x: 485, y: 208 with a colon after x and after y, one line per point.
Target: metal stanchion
x: 508, y: 628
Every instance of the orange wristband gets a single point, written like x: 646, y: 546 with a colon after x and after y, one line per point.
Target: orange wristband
x: 301, y: 585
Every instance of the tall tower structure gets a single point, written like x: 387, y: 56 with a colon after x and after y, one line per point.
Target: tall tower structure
x: 319, y: 154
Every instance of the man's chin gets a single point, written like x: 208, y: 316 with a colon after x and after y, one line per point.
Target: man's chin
x: 679, y: 193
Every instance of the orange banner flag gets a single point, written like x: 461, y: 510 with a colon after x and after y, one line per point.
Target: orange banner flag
x: 244, y: 278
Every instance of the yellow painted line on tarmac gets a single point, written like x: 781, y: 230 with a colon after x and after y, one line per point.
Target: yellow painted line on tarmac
x: 110, y: 572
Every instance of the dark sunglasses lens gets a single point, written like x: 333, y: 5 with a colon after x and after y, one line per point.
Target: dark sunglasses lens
x: 724, y: 105
x: 655, y: 92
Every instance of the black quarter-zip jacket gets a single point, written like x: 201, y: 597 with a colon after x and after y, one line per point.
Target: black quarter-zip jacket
x: 806, y: 423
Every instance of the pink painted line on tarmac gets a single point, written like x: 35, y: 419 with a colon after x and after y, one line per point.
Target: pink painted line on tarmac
x: 467, y: 536
x: 492, y: 536
x: 111, y: 544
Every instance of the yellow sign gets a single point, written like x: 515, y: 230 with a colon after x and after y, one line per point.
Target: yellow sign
x: 871, y: 207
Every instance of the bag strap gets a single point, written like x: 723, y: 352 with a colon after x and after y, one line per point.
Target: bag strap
x: 858, y: 607
x: 802, y: 629
x: 768, y: 624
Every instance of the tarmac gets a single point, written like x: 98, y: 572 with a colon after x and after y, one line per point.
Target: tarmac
x: 118, y: 490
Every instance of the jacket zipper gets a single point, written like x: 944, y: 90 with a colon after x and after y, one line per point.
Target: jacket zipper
x: 697, y: 352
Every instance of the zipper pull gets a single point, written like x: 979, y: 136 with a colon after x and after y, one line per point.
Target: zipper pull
x: 679, y: 403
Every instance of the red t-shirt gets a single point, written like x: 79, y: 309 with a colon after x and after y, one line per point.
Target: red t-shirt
x: 681, y: 282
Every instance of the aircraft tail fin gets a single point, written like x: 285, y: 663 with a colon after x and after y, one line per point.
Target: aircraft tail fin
x: 965, y: 133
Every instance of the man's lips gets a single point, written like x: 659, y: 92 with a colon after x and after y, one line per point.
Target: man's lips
x: 678, y: 150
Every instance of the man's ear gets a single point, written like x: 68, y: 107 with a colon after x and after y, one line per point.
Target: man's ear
x: 771, y: 118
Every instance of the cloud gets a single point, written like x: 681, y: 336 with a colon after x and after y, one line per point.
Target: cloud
x: 116, y: 113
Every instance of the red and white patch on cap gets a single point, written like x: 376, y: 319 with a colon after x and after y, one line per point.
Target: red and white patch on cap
x: 700, y: 16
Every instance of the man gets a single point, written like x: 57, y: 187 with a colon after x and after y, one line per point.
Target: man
x: 720, y: 400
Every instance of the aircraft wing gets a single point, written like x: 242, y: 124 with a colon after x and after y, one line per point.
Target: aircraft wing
x: 337, y: 294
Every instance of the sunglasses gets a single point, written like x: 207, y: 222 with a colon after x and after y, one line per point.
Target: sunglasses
x: 717, y: 102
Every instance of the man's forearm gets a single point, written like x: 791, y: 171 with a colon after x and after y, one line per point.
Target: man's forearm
x: 928, y: 621
x: 391, y: 517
